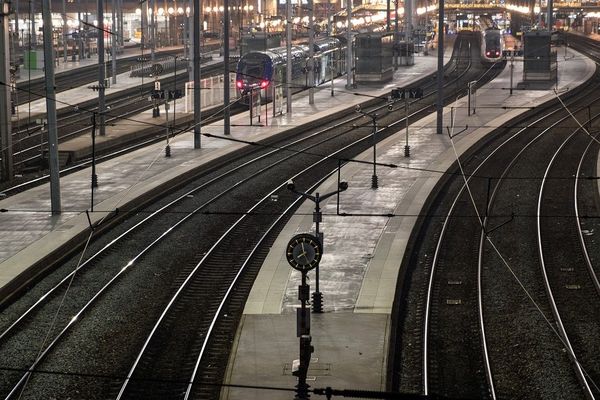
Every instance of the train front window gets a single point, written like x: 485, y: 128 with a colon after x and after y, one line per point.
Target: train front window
x: 252, y: 70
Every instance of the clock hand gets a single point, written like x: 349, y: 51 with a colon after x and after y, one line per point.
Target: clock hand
x: 301, y: 254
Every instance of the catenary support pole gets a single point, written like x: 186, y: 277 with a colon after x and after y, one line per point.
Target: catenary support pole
x: 349, y: 41
x: 226, y: 84
x: 114, y: 41
x: 549, y: 11
x: 196, y: 13
x: 64, y: 30
x: 311, y: 53
x: 51, y: 110
x: 152, y: 30
x: 6, y: 149
x: 101, y: 69
x: 440, y: 70
x: 288, y: 47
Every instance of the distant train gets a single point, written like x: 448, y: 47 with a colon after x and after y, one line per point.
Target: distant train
x: 492, y: 45
x: 266, y: 69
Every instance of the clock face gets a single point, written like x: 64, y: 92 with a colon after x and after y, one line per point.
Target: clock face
x: 304, y: 252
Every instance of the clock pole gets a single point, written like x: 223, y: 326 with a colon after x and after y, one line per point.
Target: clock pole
x: 317, y: 296
x: 303, y: 253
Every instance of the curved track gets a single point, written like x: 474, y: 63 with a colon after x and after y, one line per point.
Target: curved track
x: 485, y: 307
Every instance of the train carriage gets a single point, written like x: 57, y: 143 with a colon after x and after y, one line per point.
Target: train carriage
x: 266, y: 69
x: 492, y: 45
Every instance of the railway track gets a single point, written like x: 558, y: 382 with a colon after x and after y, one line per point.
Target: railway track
x: 181, y: 268
x: 481, y: 298
x: 30, y: 140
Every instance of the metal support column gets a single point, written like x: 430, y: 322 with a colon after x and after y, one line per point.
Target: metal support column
x: 288, y: 46
x: 51, y: 110
x: 349, y: 41
x: 32, y: 35
x: 408, y: 23
x: 311, y: 53
x: 114, y: 41
x: 196, y: 13
x: 101, y: 67
x: 440, y: 70
x: 226, y: 113
x: 152, y: 29
x: 6, y: 169
x: 549, y: 7
x: 64, y: 30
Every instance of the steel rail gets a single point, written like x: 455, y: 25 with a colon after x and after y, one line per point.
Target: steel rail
x: 489, y: 375
x: 561, y: 328
x: 584, y: 247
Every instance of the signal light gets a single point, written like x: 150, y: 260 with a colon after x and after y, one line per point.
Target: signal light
x: 239, y: 84
x: 264, y: 84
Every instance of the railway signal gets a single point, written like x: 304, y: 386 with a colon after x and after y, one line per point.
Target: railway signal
x: 407, y: 93
x: 157, y: 94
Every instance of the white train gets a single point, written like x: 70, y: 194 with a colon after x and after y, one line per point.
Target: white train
x: 492, y: 45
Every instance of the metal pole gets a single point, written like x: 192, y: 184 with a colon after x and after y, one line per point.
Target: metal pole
x: 226, y: 113
x: 311, y: 53
x: 426, y: 52
x: 152, y: 29
x: 197, y: 12
x: 167, y: 147
x: 114, y: 42
x: 101, y: 67
x: 79, y: 29
x: 288, y: 64
x: 64, y: 30
x: 19, y: 47
x: 32, y: 35
x: 144, y: 26
x: 175, y: 90
x: 328, y: 18
x: 408, y: 22
x: 440, y: 70
x: 349, y: 44
x: 6, y: 149
x: 396, y: 37
x: 549, y: 6
x: 121, y: 24
x: 374, y: 183
x: 406, y: 146
x: 317, y: 296
x: 186, y: 33
x: 94, y: 176
x: 167, y: 24
x: 388, y: 16
x: 512, y: 68
x: 51, y: 109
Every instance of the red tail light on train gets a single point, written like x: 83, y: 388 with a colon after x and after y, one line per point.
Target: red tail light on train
x: 239, y: 84
x: 264, y: 84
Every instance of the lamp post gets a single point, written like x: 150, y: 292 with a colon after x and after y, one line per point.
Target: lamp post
x: 374, y: 183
